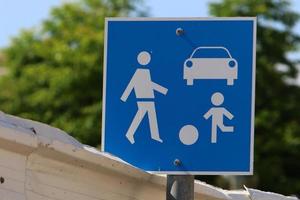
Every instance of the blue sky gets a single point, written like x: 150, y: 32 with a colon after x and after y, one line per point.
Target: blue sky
x: 16, y: 15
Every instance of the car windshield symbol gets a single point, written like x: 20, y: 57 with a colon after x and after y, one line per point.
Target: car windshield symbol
x: 210, y: 53
x: 210, y: 63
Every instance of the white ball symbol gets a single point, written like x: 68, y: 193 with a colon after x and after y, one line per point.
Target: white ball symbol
x: 188, y: 135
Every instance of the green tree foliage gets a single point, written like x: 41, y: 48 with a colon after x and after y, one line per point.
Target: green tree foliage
x: 277, y: 123
x: 56, y: 71
x: 1, y: 59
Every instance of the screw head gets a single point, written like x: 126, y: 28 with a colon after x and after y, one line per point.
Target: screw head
x: 177, y: 162
x: 1, y: 180
x: 179, y: 31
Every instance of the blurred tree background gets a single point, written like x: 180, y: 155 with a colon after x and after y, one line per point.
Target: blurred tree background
x: 56, y: 71
x: 55, y: 76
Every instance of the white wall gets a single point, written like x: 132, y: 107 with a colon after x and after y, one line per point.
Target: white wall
x: 39, y: 162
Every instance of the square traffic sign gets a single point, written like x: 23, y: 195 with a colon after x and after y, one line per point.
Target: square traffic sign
x: 178, y: 94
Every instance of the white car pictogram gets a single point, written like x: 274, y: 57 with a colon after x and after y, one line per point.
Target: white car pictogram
x: 210, y: 63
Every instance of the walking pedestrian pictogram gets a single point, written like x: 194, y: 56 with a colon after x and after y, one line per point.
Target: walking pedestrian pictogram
x: 144, y: 88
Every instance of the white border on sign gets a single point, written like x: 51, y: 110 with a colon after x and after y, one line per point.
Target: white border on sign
x: 104, y: 85
x: 179, y: 19
x: 254, y: 19
x: 253, y: 95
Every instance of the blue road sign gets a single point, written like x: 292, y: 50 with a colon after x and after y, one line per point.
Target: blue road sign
x: 178, y: 94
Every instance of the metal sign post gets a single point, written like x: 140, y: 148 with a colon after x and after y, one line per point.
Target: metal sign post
x: 180, y: 187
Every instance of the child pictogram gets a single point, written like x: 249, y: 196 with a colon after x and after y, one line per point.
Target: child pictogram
x: 217, y: 114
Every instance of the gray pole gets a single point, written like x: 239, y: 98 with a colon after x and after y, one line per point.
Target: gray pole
x: 180, y: 187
